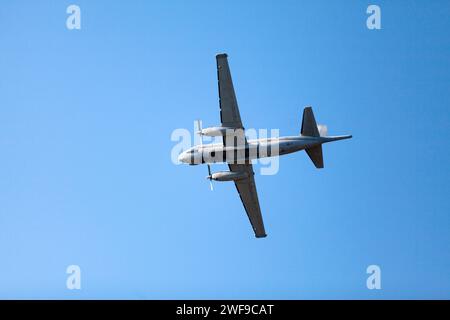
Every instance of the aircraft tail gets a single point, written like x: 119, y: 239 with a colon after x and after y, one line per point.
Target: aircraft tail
x: 316, y: 156
x: 309, y: 125
x: 311, y: 129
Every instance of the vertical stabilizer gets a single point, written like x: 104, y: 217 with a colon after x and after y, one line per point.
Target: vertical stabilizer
x: 309, y: 125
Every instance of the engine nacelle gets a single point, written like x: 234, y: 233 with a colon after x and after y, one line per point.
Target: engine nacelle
x: 229, y: 176
x: 218, y: 131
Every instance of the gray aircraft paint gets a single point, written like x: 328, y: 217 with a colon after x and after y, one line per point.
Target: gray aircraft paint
x: 255, y: 149
x: 238, y: 152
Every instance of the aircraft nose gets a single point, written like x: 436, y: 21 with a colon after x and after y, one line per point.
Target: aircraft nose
x: 183, y: 157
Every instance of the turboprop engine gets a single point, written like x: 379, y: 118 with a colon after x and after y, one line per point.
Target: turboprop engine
x: 218, y: 131
x: 227, y: 176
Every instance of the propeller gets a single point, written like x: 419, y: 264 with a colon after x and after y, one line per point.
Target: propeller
x: 199, y: 132
x: 199, y: 128
x: 209, y: 177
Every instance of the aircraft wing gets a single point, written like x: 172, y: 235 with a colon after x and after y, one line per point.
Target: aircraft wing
x: 230, y: 117
x: 229, y: 111
x: 249, y: 197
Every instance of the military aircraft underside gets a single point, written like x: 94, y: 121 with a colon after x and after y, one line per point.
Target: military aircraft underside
x: 238, y: 152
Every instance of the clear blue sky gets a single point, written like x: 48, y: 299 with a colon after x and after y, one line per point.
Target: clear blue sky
x: 85, y: 171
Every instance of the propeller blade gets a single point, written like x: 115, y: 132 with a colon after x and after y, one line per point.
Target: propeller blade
x: 210, y: 177
x: 199, y: 129
x: 199, y: 132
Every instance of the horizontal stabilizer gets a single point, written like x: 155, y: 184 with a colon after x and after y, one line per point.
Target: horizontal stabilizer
x: 315, y: 154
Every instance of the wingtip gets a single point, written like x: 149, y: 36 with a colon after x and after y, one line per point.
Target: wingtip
x: 221, y: 55
x: 260, y: 235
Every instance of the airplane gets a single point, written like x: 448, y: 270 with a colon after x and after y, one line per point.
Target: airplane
x: 238, y: 152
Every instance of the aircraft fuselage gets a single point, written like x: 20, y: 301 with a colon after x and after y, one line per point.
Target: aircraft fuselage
x: 241, y: 153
